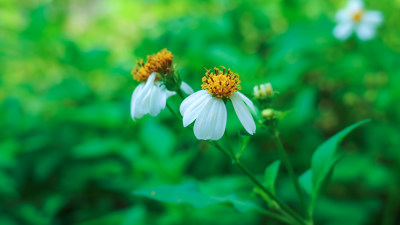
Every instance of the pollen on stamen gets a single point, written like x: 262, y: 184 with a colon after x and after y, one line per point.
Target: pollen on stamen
x: 221, y: 84
x: 160, y: 62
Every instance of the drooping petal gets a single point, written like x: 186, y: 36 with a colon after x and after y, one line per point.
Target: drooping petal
x: 193, y: 110
x: 246, y: 100
x: 134, y: 99
x: 220, y: 124
x: 243, y: 114
x: 365, y: 32
x: 186, y: 88
x: 190, y: 99
x: 156, y: 100
x: 143, y: 97
x: 343, y: 30
x: 205, y: 123
x: 372, y: 17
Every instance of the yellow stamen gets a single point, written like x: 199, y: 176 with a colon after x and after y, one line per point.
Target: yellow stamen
x: 357, y: 16
x: 160, y: 63
x: 221, y: 84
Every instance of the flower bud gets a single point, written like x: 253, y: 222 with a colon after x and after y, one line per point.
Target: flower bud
x: 263, y: 91
x: 268, y: 114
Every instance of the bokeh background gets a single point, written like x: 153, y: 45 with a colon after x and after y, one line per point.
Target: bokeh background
x: 70, y: 153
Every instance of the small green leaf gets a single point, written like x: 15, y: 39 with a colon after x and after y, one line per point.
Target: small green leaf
x: 190, y: 194
x: 325, y: 157
x: 305, y: 181
x: 270, y: 174
x: 245, y: 140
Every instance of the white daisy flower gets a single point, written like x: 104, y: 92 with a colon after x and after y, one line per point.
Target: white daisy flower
x: 353, y: 18
x: 150, y: 96
x: 208, y: 108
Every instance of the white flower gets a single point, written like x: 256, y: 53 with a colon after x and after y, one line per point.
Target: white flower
x: 149, y: 98
x: 353, y: 18
x: 208, y: 108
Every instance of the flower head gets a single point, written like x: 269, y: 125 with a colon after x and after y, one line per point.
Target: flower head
x: 221, y: 84
x: 160, y: 62
x: 354, y: 18
x: 150, y: 96
x: 263, y: 91
x: 208, y: 108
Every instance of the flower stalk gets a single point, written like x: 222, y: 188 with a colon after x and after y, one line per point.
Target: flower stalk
x: 285, y: 159
x: 286, y: 209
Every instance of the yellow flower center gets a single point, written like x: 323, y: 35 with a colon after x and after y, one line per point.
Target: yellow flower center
x: 357, y: 16
x: 160, y: 63
x: 221, y: 84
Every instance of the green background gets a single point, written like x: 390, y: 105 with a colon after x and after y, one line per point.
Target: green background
x: 71, y: 154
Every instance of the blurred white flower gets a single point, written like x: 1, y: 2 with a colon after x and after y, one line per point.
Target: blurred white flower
x: 208, y: 108
x: 149, y: 98
x: 353, y: 18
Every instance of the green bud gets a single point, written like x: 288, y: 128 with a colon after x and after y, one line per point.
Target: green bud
x: 268, y: 114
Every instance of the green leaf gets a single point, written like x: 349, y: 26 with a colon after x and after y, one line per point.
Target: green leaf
x: 325, y: 157
x: 270, y: 174
x: 245, y: 140
x: 305, y: 181
x: 322, y: 164
x: 190, y: 194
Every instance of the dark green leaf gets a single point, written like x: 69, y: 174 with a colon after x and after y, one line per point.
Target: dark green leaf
x: 325, y: 157
x: 190, y: 194
x: 270, y: 174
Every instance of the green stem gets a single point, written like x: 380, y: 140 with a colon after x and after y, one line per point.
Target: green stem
x: 285, y: 159
x: 246, y: 171
x: 180, y: 94
x: 293, y: 217
x: 276, y: 216
x: 173, y: 112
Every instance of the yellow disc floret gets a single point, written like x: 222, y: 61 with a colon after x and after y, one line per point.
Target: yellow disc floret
x: 160, y: 63
x: 357, y: 16
x: 221, y: 84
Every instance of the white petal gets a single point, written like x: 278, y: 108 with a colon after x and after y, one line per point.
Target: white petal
x: 372, y: 17
x: 169, y: 93
x: 157, y: 100
x: 205, y: 124
x: 243, y: 114
x: 246, y: 100
x: 190, y: 99
x: 186, y: 88
x: 365, y: 32
x: 343, y: 30
x: 143, y: 97
x: 220, y: 124
x: 355, y: 5
x: 134, y: 98
x: 193, y: 110
x: 343, y: 16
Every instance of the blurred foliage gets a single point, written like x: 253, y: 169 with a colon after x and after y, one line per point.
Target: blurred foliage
x: 70, y: 153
